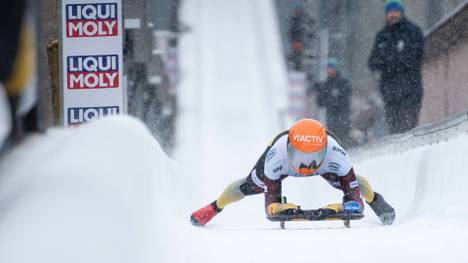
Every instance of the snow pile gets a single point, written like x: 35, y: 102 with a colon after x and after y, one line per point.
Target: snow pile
x: 425, y: 183
x: 91, y: 194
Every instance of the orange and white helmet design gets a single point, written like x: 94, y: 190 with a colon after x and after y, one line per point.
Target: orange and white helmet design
x: 307, y: 146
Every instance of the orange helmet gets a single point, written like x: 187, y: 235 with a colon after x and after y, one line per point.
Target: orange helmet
x: 307, y: 146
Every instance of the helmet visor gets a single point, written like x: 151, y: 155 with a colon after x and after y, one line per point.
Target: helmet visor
x: 305, y: 163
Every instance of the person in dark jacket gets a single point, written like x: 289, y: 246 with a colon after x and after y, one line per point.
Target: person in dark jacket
x: 397, y: 54
x: 299, y: 35
x: 335, y: 95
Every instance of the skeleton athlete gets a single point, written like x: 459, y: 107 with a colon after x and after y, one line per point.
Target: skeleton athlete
x: 306, y: 149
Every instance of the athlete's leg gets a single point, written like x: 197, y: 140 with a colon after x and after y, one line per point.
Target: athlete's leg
x: 234, y: 192
x: 231, y: 194
x: 382, y: 209
x: 366, y: 189
x: 237, y: 190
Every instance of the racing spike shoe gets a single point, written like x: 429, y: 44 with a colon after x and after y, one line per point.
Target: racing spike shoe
x: 205, y: 214
x: 384, y: 211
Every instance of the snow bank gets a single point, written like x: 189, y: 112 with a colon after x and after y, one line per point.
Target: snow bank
x: 96, y: 193
x: 424, y: 182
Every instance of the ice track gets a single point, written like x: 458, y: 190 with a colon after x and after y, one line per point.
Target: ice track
x: 106, y: 192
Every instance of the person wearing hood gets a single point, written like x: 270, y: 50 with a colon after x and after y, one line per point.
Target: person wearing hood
x: 397, y: 55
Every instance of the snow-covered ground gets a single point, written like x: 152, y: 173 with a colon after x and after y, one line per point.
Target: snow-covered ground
x: 105, y: 192
x: 91, y: 194
x: 232, y: 86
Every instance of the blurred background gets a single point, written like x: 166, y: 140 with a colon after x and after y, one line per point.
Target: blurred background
x: 346, y: 30
x: 311, y: 32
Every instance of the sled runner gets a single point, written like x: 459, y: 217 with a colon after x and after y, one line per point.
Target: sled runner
x: 316, y: 215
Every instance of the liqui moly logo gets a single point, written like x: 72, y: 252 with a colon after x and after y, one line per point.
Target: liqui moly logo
x: 87, y: 114
x: 92, y: 72
x: 308, y: 138
x: 91, y: 20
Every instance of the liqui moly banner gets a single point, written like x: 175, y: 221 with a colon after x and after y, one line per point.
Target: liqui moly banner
x: 93, y: 72
x: 86, y: 114
x: 91, y: 60
x: 91, y: 20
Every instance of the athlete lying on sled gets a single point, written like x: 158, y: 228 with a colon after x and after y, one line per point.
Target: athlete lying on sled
x: 306, y: 149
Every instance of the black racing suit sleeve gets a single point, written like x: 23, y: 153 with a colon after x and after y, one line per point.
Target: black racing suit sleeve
x: 350, y: 187
x: 273, y: 193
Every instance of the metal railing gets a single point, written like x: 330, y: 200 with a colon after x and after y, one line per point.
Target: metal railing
x: 430, y: 134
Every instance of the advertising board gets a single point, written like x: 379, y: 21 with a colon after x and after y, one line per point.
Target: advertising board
x: 91, y: 60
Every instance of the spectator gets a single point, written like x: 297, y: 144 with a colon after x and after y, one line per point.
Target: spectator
x: 335, y: 95
x: 397, y: 54
x: 299, y: 34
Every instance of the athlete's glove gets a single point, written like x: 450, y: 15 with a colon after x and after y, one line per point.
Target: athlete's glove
x: 352, y: 207
x: 328, y: 211
x: 282, y: 209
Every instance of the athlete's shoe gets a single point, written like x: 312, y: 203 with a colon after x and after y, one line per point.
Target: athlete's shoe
x: 384, y: 211
x: 205, y: 214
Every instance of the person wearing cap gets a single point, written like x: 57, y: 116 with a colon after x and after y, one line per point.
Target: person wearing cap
x: 397, y: 55
x: 335, y: 96
x: 307, y: 149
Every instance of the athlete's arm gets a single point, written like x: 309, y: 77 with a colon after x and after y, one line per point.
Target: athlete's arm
x: 272, y: 191
x: 350, y: 187
x: 273, y: 202
x: 275, y: 169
